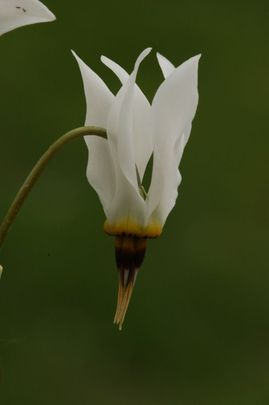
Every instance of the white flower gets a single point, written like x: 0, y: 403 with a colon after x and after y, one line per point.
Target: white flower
x: 135, y: 131
x: 16, y: 13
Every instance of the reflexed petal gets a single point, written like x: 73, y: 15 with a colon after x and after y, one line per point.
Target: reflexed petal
x: 121, y: 125
x: 98, y: 97
x: 175, y: 102
x: 166, y: 66
x: 14, y: 14
x: 174, y: 107
x: 122, y: 75
x: 142, y: 129
x: 100, y: 170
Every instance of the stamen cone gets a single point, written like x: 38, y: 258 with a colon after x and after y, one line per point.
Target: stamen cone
x: 130, y: 252
x: 124, y: 296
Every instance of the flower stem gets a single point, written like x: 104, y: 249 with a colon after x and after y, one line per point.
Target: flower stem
x: 38, y: 169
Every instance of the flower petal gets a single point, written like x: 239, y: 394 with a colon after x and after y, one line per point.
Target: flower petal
x: 173, y: 108
x: 127, y: 211
x: 98, y: 97
x: 121, y: 125
x: 166, y: 66
x: 142, y: 128
x: 16, y: 13
x: 100, y: 169
x: 122, y: 75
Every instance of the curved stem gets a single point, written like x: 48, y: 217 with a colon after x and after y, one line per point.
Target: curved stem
x: 38, y: 169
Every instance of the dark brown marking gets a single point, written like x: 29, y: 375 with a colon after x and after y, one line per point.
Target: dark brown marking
x: 21, y: 8
x: 130, y: 252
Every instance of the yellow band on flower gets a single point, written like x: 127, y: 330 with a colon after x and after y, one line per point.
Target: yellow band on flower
x: 128, y: 226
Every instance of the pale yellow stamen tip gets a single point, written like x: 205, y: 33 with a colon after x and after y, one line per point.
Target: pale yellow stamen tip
x: 1, y: 270
x: 124, y: 296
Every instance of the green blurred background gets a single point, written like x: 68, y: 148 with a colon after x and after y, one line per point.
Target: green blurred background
x: 197, y: 330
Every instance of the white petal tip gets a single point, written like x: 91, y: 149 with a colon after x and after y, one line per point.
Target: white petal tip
x: 147, y: 51
x: 196, y: 57
x: 142, y: 56
x: 1, y: 271
x: 193, y: 62
x: 51, y: 16
x: 79, y: 61
x: 107, y: 62
x: 166, y: 66
x: 82, y: 65
x: 160, y: 56
x: 44, y: 12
